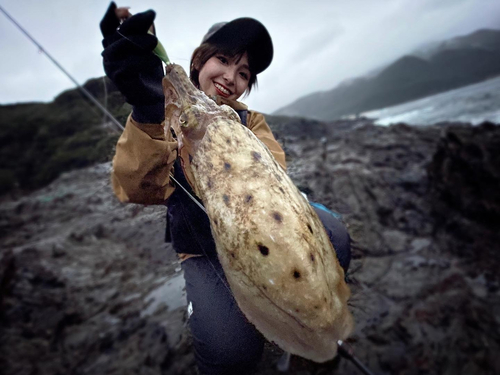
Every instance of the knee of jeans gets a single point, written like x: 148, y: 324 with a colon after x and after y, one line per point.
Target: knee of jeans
x: 241, y: 350
x: 230, y: 356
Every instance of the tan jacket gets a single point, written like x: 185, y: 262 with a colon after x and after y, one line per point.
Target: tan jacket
x: 144, y: 158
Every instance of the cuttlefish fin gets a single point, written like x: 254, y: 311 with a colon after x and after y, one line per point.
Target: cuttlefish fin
x: 172, y: 107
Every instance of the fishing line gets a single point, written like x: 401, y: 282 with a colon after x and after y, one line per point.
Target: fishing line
x: 179, y: 58
x: 130, y: 40
x: 56, y: 63
x: 105, y: 96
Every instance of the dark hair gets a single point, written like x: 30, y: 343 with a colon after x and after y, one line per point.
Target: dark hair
x: 207, y: 50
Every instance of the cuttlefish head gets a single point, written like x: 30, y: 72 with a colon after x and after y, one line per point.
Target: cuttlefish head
x: 188, y: 111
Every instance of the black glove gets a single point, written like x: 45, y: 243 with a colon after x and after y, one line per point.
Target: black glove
x: 130, y: 63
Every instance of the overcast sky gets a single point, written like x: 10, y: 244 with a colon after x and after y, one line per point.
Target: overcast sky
x: 317, y: 44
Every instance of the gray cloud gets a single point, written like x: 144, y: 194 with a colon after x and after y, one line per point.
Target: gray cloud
x: 315, y: 41
x: 318, y: 44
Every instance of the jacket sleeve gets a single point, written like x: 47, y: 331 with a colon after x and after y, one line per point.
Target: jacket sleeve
x: 256, y: 122
x: 142, y: 163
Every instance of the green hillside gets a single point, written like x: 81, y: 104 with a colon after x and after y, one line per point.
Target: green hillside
x: 39, y: 141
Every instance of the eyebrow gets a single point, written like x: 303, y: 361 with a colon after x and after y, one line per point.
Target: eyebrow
x: 237, y: 60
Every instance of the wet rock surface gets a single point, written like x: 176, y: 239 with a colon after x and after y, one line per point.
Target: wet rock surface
x: 87, y: 285
x: 80, y: 280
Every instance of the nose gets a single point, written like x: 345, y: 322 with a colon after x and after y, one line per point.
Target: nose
x: 229, y: 75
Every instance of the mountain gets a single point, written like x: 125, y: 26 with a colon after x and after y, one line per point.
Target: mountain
x: 444, y: 66
x: 482, y: 39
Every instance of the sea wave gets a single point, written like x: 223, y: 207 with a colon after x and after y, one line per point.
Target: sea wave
x: 472, y: 104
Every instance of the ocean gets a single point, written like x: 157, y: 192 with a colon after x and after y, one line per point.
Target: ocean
x: 474, y: 104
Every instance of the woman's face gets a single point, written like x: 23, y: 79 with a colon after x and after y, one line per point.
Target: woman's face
x: 225, y: 76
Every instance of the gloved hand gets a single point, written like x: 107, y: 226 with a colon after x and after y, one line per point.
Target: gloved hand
x: 130, y: 63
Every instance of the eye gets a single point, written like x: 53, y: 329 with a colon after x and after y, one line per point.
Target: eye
x: 222, y: 59
x: 244, y: 75
x: 183, y: 120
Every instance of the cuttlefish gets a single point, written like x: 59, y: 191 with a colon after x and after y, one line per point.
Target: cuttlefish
x: 278, y: 260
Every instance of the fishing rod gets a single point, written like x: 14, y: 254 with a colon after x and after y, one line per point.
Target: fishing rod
x: 346, y: 351
x: 160, y: 52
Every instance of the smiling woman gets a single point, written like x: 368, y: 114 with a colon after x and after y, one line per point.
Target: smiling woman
x: 243, y: 43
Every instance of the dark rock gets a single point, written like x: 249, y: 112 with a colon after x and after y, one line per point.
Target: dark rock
x: 464, y: 177
x: 420, y: 204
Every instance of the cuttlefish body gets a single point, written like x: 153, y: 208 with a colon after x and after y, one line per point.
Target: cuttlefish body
x: 278, y: 260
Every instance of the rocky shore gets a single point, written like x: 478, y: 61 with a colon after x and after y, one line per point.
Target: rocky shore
x: 87, y: 285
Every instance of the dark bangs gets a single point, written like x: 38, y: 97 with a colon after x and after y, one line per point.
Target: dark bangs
x: 205, y: 51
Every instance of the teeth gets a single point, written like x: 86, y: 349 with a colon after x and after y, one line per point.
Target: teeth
x: 223, y: 89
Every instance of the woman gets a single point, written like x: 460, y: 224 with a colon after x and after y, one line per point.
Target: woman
x: 225, y: 66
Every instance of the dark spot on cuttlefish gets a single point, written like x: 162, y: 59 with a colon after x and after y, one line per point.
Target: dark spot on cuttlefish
x: 248, y: 198
x: 256, y: 155
x: 312, y: 257
x: 310, y: 229
x: 264, y: 250
x: 225, y: 197
x: 277, y: 216
x: 227, y: 166
x: 296, y: 274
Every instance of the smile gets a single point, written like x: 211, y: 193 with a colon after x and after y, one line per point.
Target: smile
x: 222, y: 89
